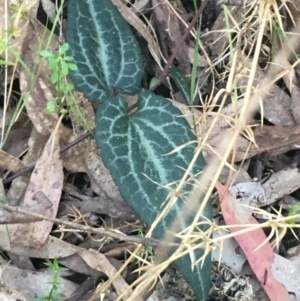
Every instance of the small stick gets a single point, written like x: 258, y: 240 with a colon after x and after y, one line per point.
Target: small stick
x: 87, y: 229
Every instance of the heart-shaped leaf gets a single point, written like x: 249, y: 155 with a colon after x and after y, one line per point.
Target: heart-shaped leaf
x: 104, y: 48
x: 137, y: 149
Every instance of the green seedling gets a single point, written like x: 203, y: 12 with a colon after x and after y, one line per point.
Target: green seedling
x: 146, y: 253
x: 61, y: 64
x: 54, y: 294
x: 294, y: 211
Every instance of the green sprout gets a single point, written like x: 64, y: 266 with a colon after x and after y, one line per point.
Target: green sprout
x: 61, y: 64
x: 293, y: 211
x: 54, y: 294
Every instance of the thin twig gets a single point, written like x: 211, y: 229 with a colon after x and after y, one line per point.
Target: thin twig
x: 88, y: 229
x: 32, y: 166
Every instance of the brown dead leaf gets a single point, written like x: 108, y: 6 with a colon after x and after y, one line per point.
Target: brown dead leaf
x: 295, y: 105
x: 34, y: 282
x: 40, y: 203
x: 276, y: 103
x: 52, y: 248
x: 17, y: 23
x: 294, y: 9
x: 217, y: 37
x: 76, y: 263
x: 99, y: 262
x: 12, y: 294
x: 272, y: 139
x: 281, y: 183
x: 170, y: 30
x: 47, y: 178
x: 292, y: 84
x: 36, y: 104
x: 38, y: 90
x: 9, y: 162
x: 56, y: 248
x: 35, y: 146
x: 17, y: 141
x: 85, y: 204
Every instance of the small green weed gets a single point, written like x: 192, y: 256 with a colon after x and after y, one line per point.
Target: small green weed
x: 293, y: 211
x: 54, y: 294
x: 146, y: 252
x: 60, y: 63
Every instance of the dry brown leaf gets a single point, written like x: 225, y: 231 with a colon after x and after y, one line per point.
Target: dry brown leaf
x: 35, y: 145
x: 217, y: 37
x: 39, y: 91
x: 276, y: 103
x: 85, y: 204
x: 17, y: 141
x: 50, y: 9
x: 99, y: 262
x: 294, y: 9
x: 281, y: 183
x: 140, y: 5
x: 47, y: 178
x: 295, y: 105
x: 201, y: 60
x: 9, y: 162
x: 12, y: 294
x: 52, y: 248
x: 17, y: 23
x: 292, y: 83
x: 34, y: 282
x: 56, y: 248
x: 77, y: 264
x: 272, y: 139
x: 36, y: 104
x: 169, y: 29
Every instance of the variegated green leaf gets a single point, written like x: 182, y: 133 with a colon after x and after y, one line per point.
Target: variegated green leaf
x: 137, y: 149
x: 181, y: 81
x: 104, y: 48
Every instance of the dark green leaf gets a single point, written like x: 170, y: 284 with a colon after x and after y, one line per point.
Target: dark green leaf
x: 104, y: 49
x: 181, y: 81
x: 136, y: 150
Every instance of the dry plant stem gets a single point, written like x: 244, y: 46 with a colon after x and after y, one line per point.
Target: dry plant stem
x: 214, y: 168
x: 81, y: 228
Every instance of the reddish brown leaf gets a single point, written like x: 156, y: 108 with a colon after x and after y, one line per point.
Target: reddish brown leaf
x: 259, y: 259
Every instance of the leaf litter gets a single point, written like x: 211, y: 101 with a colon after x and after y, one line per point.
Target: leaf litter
x: 84, y: 191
